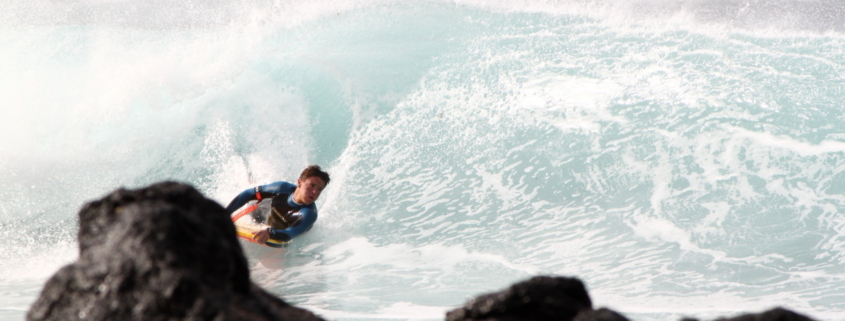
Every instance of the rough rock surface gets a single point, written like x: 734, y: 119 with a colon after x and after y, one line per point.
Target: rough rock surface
x: 776, y: 314
x: 558, y: 298
x: 164, y: 252
x: 603, y: 314
x: 539, y: 298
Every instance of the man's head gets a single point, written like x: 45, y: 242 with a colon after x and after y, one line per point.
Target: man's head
x: 310, y: 184
x: 315, y: 170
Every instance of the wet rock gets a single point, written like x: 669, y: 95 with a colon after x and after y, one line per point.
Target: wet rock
x: 603, y: 314
x: 539, y: 298
x: 776, y: 314
x: 159, y: 253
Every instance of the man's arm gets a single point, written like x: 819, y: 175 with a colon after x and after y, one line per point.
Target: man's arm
x: 242, y: 198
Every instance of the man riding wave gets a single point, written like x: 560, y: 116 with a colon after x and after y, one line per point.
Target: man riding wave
x: 288, y: 209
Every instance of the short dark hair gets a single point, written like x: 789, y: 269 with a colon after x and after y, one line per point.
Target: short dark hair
x: 315, y: 170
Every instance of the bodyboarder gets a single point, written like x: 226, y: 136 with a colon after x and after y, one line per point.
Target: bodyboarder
x: 287, y: 209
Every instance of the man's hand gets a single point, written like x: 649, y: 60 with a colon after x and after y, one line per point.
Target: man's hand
x: 261, y: 236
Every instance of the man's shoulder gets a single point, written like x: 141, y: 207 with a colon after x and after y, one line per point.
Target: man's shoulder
x: 278, y: 187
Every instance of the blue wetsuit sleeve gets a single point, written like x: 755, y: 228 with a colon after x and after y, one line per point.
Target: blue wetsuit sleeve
x: 242, y: 198
x: 309, y: 216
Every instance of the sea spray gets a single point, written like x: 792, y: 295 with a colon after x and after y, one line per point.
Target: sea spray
x: 682, y: 158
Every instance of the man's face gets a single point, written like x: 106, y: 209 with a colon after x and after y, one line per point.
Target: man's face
x: 308, y: 190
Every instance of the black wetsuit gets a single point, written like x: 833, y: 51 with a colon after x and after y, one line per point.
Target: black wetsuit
x: 286, y: 218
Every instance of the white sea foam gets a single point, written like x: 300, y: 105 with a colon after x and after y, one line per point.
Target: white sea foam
x: 677, y: 162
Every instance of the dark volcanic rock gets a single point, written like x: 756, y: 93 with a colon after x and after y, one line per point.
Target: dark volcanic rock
x: 539, y: 298
x: 565, y: 299
x: 602, y: 314
x: 160, y: 253
x: 776, y: 314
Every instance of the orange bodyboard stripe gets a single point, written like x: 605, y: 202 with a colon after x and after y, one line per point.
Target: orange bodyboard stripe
x: 244, y: 212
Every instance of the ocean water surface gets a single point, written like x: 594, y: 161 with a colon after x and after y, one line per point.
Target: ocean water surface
x: 682, y: 158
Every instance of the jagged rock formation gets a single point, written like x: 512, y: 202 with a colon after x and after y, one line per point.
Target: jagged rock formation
x: 548, y: 298
x: 164, y: 252
x: 539, y: 298
x: 603, y: 314
x: 776, y: 314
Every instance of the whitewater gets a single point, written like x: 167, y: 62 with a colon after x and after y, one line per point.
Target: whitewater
x: 682, y: 158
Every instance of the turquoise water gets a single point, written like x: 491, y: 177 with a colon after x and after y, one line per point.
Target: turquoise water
x: 683, y: 158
